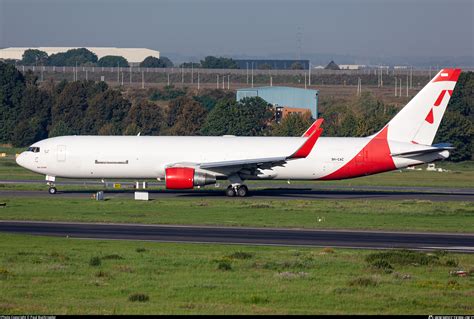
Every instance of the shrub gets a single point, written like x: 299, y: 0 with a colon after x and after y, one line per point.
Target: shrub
x: 224, y: 265
x: 240, y: 255
x: 138, y: 297
x: 95, y: 261
x: 452, y: 263
x: 292, y: 275
x: 453, y: 284
x: 382, y: 264
x: 58, y: 256
x: 113, y: 257
x: 259, y: 299
x: 140, y: 250
x: 124, y: 268
x: 328, y: 250
x: 364, y: 282
x: 4, y: 273
x: 403, y: 257
x: 298, y: 263
x: 402, y: 276
x: 440, y: 253
x: 102, y: 274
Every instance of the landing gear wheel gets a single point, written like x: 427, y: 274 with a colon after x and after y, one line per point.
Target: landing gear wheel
x: 230, y: 192
x: 52, y: 190
x: 242, y: 191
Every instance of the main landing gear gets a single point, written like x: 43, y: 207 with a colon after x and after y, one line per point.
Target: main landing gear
x: 237, y: 190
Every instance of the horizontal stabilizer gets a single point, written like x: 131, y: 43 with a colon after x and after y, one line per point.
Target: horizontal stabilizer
x: 435, y: 149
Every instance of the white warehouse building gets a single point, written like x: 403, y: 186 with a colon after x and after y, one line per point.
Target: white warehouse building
x: 133, y: 55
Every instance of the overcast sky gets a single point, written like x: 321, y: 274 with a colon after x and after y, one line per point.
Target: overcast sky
x: 259, y: 27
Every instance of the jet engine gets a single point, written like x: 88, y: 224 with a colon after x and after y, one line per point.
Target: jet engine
x: 186, y: 178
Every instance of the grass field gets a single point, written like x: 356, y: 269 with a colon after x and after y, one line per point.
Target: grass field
x: 71, y: 276
x: 409, y: 215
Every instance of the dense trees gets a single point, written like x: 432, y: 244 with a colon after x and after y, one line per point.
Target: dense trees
x: 112, y: 61
x: 33, y: 117
x: 248, y: 117
x: 34, y: 57
x: 145, y: 118
x: 152, y: 62
x: 84, y: 57
x: 12, y: 86
x: 457, y: 125
x: 189, y: 65
x: 73, y: 57
x: 185, y: 116
x: 212, y: 62
x: 293, y: 124
x: 169, y: 92
x: 297, y: 66
x: 361, y: 116
x: 105, y: 113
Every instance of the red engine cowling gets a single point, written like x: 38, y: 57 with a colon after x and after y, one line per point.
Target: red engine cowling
x: 179, y: 177
x: 186, y: 178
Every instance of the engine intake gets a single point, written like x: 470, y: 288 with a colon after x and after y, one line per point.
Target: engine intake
x: 186, y: 178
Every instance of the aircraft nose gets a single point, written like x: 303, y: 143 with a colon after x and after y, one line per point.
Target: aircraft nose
x: 20, y: 159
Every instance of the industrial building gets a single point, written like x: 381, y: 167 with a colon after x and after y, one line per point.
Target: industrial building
x: 133, y: 55
x: 286, y: 97
x: 271, y: 64
x: 352, y: 66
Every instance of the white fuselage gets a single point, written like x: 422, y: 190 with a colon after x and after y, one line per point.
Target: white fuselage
x: 141, y: 157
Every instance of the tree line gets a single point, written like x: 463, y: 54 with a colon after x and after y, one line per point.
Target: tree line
x: 31, y: 112
x: 84, y: 57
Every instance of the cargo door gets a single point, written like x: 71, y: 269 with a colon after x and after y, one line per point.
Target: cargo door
x: 61, y: 153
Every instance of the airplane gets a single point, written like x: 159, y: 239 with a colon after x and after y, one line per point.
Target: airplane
x: 185, y: 162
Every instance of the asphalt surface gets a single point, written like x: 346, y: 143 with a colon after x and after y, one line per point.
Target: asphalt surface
x: 271, y: 193
x: 249, y: 236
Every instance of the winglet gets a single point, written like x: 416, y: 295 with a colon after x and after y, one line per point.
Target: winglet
x: 316, y: 124
x: 307, y: 146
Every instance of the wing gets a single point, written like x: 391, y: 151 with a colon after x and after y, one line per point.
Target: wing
x: 252, y: 165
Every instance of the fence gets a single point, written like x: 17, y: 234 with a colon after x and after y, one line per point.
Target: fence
x: 226, y: 78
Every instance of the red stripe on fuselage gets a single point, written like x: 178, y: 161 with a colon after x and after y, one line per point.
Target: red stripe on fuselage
x: 373, y: 158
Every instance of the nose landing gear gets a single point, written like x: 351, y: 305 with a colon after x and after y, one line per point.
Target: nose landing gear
x: 50, y: 182
x: 52, y: 190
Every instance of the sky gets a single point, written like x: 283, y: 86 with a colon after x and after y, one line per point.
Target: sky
x: 417, y: 28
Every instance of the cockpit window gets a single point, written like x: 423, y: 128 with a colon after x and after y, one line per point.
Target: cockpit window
x: 33, y: 149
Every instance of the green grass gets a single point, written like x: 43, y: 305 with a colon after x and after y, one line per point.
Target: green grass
x: 408, y: 215
x: 55, y: 275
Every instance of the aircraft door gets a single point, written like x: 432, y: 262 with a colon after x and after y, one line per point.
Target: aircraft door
x: 61, y: 154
